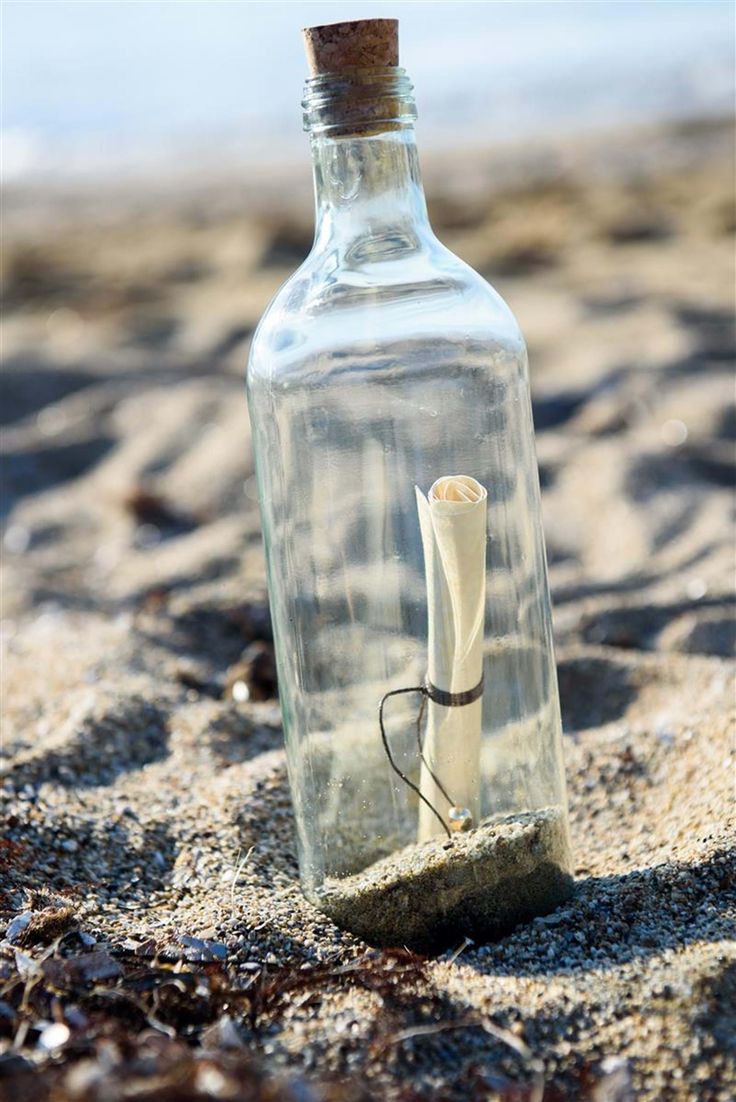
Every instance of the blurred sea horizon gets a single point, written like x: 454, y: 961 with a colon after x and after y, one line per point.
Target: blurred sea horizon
x: 156, y: 87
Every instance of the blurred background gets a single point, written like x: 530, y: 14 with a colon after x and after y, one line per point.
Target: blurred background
x: 157, y: 192
x: 111, y: 88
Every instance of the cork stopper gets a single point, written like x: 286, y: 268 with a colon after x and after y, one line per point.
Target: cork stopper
x: 357, y: 44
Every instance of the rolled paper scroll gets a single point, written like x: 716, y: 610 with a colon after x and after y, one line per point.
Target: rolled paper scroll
x: 453, y: 525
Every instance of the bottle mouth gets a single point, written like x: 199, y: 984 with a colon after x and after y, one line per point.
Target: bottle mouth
x: 358, y: 101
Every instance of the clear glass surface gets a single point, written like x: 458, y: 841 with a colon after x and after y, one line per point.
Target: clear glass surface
x: 384, y: 363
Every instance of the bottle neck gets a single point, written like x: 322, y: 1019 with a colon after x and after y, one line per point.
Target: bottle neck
x: 366, y: 171
x: 368, y: 186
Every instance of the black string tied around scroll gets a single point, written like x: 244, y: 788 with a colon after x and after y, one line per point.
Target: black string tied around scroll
x: 427, y: 691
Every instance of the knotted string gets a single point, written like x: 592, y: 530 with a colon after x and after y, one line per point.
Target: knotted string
x: 427, y: 691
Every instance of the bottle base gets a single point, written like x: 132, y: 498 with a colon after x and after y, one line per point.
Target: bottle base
x: 479, y: 885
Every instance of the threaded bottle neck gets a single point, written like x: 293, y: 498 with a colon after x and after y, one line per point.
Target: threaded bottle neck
x: 358, y: 102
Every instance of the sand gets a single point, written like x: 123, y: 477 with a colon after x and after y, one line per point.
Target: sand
x: 478, y: 885
x: 156, y: 941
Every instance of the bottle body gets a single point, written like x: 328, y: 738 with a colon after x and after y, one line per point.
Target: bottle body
x: 382, y: 366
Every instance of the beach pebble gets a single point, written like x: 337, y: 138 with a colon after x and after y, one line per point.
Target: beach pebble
x: 202, y: 949
x: 17, y: 925
x: 54, y: 1036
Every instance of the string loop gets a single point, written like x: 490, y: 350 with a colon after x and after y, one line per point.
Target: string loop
x: 428, y: 691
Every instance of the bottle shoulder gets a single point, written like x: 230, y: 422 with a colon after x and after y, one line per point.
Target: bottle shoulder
x: 334, y: 299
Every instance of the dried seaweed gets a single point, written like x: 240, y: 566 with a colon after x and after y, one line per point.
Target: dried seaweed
x: 124, y: 1017
x: 390, y: 973
x: 42, y: 927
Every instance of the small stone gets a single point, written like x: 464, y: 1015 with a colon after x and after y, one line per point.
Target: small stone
x: 54, y: 1036
x: 212, y: 1083
x: 12, y: 1063
x: 96, y: 966
x: 76, y: 1018
x: 550, y: 920
x: 240, y: 692
x: 16, y: 927
x: 223, y: 1034
x: 254, y: 676
x: 202, y: 949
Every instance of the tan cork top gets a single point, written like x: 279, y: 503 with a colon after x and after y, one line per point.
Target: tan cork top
x: 357, y: 44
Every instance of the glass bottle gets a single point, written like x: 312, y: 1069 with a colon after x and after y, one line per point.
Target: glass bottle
x: 383, y: 367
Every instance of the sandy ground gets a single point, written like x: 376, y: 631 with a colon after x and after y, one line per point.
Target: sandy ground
x: 156, y: 942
